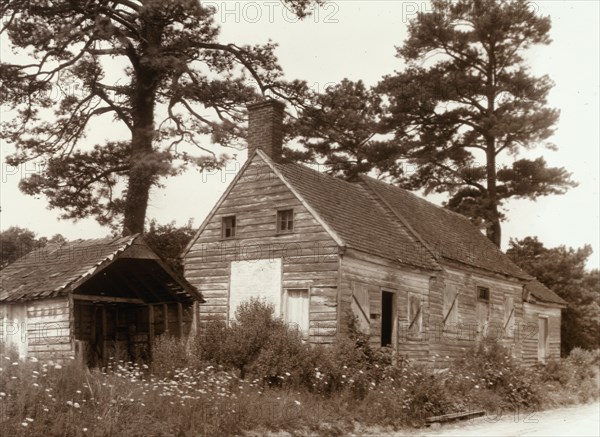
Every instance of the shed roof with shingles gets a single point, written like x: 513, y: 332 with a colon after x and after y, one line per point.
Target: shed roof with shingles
x: 543, y: 293
x: 56, y: 270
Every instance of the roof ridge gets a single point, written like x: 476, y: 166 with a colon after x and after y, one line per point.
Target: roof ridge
x: 367, y: 179
x: 458, y: 240
x: 407, y: 249
x: 416, y: 197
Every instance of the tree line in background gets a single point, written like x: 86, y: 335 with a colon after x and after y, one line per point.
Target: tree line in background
x: 453, y: 120
x: 562, y: 269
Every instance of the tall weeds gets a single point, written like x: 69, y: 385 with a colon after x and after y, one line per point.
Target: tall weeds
x: 257, y: 374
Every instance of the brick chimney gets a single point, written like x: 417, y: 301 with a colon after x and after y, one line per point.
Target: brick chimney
x: 265, y: 128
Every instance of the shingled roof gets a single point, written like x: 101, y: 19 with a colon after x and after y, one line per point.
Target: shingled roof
x: 56, y: 270
x: 391, y: 222
x: 449, y: 235
x: 542, y: 293
x: 360, y: 221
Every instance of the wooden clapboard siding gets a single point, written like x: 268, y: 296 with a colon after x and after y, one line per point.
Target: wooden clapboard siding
x: 49, y: 328
x: 528, y: 331
x: 309, y: 255
x: 452, y: 341
x: 323, y: 314
x: 436, y: 339
x: 377, y: 274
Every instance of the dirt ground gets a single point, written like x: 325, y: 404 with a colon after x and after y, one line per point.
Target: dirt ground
x: 581, y: 420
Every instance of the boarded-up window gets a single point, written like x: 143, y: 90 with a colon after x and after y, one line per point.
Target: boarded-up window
x: 415, y: 314
x: 509, y: 316
x: 482, y: 310
x: 297, y: 310
x: 360, y: 307
x: 450, y: 306
x: 542, y: 339
x: 257, y: 278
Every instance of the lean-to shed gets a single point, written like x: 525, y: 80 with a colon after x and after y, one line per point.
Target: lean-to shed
x: 92, y: 299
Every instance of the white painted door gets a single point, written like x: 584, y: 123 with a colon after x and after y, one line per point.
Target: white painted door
x: 297, y: 310
x: 255, y: 278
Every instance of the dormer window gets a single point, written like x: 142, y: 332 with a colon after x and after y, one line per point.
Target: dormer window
x: 228, y: 227
x: 285, y: 221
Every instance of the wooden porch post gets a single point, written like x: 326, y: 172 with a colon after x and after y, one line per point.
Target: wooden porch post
x: 104, y: 330
x: 166, y: 317
x: 150, y: 326
x: 180, y: 318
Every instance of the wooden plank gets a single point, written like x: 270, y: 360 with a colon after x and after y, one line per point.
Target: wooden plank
x: 165, y: 308
x: 150, y: 325
x: 180, y: 319
x: 49, y: 341
x: 42, y: 312
x: 48, y: 319
x: 463, y: 415
x: 95, y: 298
x: 104, y: 331
x: 44, y: 347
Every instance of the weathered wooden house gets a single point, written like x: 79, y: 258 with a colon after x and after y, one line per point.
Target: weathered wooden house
x: 92, y: 298
x: 417, y: 277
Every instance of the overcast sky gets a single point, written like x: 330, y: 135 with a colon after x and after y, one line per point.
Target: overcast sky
x: 356, y: 39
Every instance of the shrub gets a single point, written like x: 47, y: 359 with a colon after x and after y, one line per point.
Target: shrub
x: 168, y: 354
x: 208, y: 343
x: 572, y: 379
x: 490, y: 367
x: 248, y: 334
x: 283, y: 360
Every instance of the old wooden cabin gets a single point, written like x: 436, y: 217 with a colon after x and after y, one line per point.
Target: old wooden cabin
x: 417, y: 277
x: 92, y: 299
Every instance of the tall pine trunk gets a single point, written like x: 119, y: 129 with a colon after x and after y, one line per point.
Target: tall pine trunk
x: 143, y: 167
x: 493, y: 230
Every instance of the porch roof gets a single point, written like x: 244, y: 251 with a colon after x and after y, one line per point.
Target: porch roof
x: 117, y: 267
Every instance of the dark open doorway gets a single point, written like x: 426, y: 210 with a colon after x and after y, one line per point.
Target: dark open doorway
x: 388, y: 318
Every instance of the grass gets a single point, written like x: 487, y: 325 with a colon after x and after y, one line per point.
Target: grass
x: 128, y: 399
x: 252, y: 377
